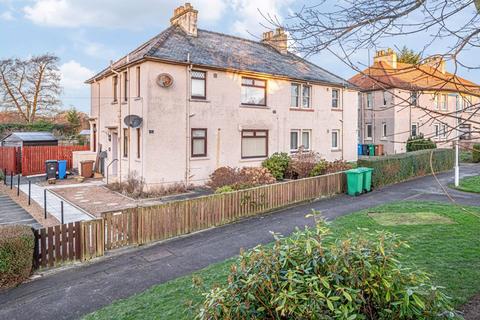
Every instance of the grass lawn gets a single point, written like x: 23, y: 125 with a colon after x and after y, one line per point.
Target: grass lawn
x: 470, y: 184
x: 444, y: 241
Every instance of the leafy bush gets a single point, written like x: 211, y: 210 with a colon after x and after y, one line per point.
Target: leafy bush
x: 240, y: 178
x: 224, y: 189
x: 476, y: 153
x: 16, y: 254
x: 302, y: 163
x: 325, y: 167
x: 420, y: 143
x: 312, y: 275
x: 319, y: 169
x: 277, y: 164
x: 401, y: 167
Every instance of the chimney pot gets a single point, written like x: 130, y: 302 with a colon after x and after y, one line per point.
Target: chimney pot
x: 186, y: 17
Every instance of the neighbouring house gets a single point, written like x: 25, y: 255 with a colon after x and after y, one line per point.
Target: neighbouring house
x: 189, y: 101
x: 27, y: 139
x: 401, y: 100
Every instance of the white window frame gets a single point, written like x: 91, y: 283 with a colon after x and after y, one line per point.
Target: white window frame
x: 366, y: 131
x: 444, y: 102
x: 414, y: 124
x: 436, y: 130
x: 443, y: 131
x: 338, y: 99
x: 369, y: 100
x: 300, y: 133
x: 300, y: 100
x: 337, y: 146
x: 436, y: 105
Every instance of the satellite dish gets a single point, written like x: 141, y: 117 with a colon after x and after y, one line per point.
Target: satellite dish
x: 133, y: 121
x: 164, y: 80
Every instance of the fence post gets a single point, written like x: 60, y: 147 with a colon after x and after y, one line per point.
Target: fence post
x: 61, y: 210
x: 11, y: 180
x: 45, y: 202
x: 5, y: 176
x: 18, y: 185
x: 29, y: 191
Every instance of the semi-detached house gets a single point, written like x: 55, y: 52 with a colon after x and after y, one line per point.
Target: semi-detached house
x: 189, y: 101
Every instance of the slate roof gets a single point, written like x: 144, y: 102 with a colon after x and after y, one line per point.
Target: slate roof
x: 30, y: 136
x: 412, y: 77
x: 212, y: 49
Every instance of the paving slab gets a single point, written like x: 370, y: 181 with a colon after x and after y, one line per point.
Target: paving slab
x: 71, y: 293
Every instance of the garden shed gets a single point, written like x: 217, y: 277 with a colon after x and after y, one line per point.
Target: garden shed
x: 26, y: 139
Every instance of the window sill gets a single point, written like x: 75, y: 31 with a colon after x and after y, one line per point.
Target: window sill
x: 336, y: 150
x: 253, y: 159
x: 337, y: 109
x: 199, y: 158
x: 302, y: 109
x: 114, y: 102
x: 137, y: 98
x: 138, y: 160
x: 248, y: 106
x: 199, y: 100
x: 124, y: 102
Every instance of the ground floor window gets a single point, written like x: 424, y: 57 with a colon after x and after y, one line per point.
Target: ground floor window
x: 335, y: 138
x: 125, y: 143
x: 199, y: 142
x: 300, y: 139
x: 368, y: 131
x: 254, y: 144
x: 139, y: 142
x: 384, y: 130
x: 465, y: 132
x: 414, y: 129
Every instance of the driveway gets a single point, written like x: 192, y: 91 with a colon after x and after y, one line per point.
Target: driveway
x: 71, y: 293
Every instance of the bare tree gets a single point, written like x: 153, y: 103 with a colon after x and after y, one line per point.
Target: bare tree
x: 30, y: 86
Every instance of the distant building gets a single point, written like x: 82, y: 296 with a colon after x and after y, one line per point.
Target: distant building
x: 189, y: 101
x: 26, y: 139
x: 401, y: 100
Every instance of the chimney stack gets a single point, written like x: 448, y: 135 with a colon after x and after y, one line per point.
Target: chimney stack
x: 436, y: 62
x: 185, y: 17
x: 277, y: 39
x: 388, y: 56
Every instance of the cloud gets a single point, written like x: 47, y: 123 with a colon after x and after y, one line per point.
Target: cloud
x: 74, y: 75
x: 91, y: 48
x: 113, y: 13
x: 249, y: 13
x: 7, y: 16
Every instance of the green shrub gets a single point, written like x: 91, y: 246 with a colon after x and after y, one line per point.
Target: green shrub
x: 400, y: 167
x: 476, y: 153
x: 420, y: 143
x: 224, y: 189
x: 319, y: 169
x: 16, y: 254
x: 277, y: 164
x: 312, y: 275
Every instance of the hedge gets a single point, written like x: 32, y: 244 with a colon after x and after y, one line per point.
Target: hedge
x: 476, y: 153
x: 401, y: 167
x: 16, y: 254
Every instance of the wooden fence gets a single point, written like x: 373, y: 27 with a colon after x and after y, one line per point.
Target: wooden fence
x: 33, y: 158
x: 147, y: 224
x: 8, y: 159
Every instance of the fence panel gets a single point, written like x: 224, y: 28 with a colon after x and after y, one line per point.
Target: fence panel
x: 56, y: 245
x: 33, y: 158
x: 92, y: 239
x: 8, y: 159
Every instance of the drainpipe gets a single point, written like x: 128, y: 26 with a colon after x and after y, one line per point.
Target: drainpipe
x: 119, y: 134
x: 342, y: 133
x: 188, y: 71
x: 128, y: 96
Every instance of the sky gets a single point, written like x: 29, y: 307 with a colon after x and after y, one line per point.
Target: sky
x: 88, y: 34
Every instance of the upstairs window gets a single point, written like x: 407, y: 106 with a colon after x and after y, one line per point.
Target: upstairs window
x: 384, y: 98
x: 125, y: 86
x: 115, y: 88
x: 139, y: 142
x: 335, y: 98
x: 467, y: 104
x: 254, y: 144
x: 125, y: 142
x: 138, y: 82
x: 254, y: 92
x: 369, y: 100
x: 435, y: 101
x: 306, y: 96
x: 444, y: 104
x: 295, y: 95
x: 414, y: 98
x: 199, y: 143
x: 199, y: 84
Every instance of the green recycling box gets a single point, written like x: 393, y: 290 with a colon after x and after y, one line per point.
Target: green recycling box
x: 367, y: 178
x: 354, y: 182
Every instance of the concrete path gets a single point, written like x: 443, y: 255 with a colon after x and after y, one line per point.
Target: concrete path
x: 71, y: 213
x: 71, y: 293
x: 12, y: 213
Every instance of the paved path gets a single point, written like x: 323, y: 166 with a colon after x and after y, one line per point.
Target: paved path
x: 71, y: 213
x: 71, y: 293
x: 12, y: 213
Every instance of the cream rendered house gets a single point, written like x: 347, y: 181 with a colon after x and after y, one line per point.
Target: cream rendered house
x: 189, y: 101
x: 400, y: 100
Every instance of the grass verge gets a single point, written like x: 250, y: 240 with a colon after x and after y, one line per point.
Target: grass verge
x: 450, y: 252
x: 470, y: 184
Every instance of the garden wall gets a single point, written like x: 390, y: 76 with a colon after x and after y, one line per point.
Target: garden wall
x: 401, y: 167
